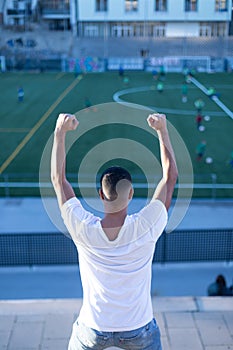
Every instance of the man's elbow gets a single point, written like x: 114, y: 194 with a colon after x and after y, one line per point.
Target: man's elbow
x: 171, y: 176
x: 56, y: 181
x: 171, y: 183
x: 174, y: 176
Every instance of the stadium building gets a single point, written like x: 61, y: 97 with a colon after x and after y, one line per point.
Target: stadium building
x: 124, y: 18
x: 154, y: 18
x: 64, y: 30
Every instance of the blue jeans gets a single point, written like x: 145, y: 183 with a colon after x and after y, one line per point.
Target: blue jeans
x: 143, y: 338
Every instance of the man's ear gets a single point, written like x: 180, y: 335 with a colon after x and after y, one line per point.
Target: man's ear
x: 101, y: 194
x: 131, y: 192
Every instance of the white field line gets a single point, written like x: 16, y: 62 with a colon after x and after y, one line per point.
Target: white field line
x: 117, y: 98
x: 214, y: 98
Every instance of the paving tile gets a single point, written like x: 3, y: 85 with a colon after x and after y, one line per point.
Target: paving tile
x: 223, y: 347
x: 58, y: 326
x: 6, y: 322
x: 187, y: 339
x: 165, y: 343
x: 4, y: 339
x: 161, y: 323
x: 163, y: 304
x: 228, y: 317
x: 214, y: 332
x: 215, y: 303
x: 31, y: 318
x: 179, y: 320
x: 40, y: 306
x: 215, y: 315
x: 6, y: 326
x: 160, y: 319
x: 18, y: 347
x: 55, y: 344
x: 26, y: 335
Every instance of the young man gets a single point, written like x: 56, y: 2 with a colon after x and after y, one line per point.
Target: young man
x: 199, y: 120
x: 200, y: 150
x: 20, y: 94
x: 115, y: 253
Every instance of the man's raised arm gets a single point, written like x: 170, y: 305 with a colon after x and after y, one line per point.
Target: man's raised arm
x: 166, y: 185
x: 63, y: 189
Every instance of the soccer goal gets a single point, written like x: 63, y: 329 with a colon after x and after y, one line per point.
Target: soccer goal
x: 179, y: 63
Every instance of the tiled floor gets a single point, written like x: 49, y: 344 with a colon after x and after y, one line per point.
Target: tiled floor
x: 186, y: 323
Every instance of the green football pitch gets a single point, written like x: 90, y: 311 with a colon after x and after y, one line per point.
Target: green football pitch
x: 110, y: 132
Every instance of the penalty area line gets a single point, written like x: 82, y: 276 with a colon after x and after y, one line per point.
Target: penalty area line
x: 45, y: 116
x: 214, y: 98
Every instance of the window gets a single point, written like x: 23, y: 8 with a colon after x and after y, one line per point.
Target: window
x: 213, y: 29
x: 91, y: 31
x: 122, y: 30
x: 131, y: 5
x: 15, y: 5
x: 159, y: 30
x: 219, y: 29
x: 191, y: 5
x: 101, y: 5
x: 160, y: 5
x: 205, y: 29
x: 221, y: 5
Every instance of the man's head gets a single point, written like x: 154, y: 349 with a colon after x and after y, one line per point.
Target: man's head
x: 116, y: 186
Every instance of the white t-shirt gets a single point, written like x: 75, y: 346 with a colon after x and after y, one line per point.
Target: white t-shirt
x: 116, y: 275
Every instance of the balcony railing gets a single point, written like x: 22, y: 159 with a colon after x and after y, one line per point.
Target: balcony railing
x: 56, y: 11
x: 14, y: 12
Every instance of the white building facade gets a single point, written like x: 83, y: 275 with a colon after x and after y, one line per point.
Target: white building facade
x: 125, y: 18
x: 153, y: 18
x: 15, y: 12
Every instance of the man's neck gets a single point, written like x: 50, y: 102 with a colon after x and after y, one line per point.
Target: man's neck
x: 112, y: 223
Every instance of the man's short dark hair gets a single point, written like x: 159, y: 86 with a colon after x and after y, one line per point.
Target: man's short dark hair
x: 110, y: 177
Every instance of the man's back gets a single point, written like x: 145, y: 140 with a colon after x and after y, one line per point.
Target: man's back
x: 116, y: 275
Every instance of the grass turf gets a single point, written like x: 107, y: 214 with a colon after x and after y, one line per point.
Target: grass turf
x: 46, y: 95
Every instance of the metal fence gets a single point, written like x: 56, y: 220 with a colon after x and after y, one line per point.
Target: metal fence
x: 204, y: 186
x: 93, y: 54
x: 55, y: 249
x: 96, y: 64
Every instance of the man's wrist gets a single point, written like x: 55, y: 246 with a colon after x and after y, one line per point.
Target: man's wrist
x: 59, y: 132
x: 162, y: 132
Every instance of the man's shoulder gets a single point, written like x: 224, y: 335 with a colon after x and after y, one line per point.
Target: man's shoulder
x: 152, y: 213
x: 154, y: 207
x: 71, y: 201
x: 74, y: 208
